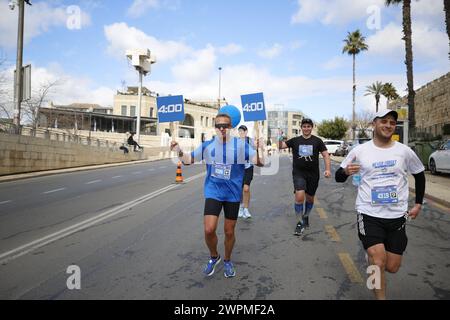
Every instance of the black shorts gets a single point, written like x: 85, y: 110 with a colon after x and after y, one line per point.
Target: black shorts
x: 390, y: 232
x: 214, y: 207
x: 248, y: 176
x: 308, y: 182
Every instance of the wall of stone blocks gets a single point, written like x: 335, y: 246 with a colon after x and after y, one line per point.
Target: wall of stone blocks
x: 433, y: 105
x: 19, y: 154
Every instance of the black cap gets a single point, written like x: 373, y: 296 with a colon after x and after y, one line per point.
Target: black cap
x: 242, y: 127
x: 307, y: 121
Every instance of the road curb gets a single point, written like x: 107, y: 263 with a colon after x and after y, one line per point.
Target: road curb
x: 433, y: 198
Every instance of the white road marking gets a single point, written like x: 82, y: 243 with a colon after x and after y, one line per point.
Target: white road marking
x: 162, y: 167
x: 53, y: 191
x: 150, y: 169
x: 137, y: 172
x: 116, y: 177
x: 5, y: 202
x: 31, y: 246
x: 92, y: 182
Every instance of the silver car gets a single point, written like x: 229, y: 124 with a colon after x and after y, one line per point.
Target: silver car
x: 439, y: 161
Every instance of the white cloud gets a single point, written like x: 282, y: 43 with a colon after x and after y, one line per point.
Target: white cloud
x: 197, y: 68
x: 70, y: 89
x: 121, y: 38
x: 428, y: 43
x: 333, y: 12
x: 294, y: 45
x: 272, y: 52
x: 230, y: 49
x: 140, y: 7
x: 39, y: 18
x: 335, y: 63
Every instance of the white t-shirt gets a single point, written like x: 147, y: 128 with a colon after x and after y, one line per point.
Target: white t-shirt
x: 384, y: 187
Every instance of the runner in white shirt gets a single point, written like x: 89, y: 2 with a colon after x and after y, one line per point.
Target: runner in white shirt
x: 382, y: 200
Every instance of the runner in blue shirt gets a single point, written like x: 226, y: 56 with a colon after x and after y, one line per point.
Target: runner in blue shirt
x: 225, y: 158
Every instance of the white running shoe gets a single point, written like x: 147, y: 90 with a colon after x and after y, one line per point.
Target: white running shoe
x: 241, y: 212
x: 247, y: 214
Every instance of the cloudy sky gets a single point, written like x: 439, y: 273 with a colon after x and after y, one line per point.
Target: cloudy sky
x: 289, y: 49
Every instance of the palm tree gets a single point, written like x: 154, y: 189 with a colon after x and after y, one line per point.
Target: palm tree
x: 375, y: 89
x: 354, y: 44
x: 407, y: 36
x: 447, y: 20
x: 389, y: 92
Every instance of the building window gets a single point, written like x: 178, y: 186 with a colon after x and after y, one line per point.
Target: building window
x: 124, y: 110
x: 206, y: 124
x: 294, y: 123
x: 201, y: 120
x: 132, y: 111
x: 151, y: 112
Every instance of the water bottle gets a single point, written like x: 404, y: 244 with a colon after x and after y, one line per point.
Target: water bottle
x: 356, y: 178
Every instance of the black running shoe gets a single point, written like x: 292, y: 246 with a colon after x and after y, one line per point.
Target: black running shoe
x: 299, y: 229
x: 306, y: 221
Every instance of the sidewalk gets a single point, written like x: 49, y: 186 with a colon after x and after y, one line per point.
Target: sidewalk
x: 437, y: 187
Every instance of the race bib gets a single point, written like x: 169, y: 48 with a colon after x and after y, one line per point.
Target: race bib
x: 305, y: 150
x: 221, y: 171
x: 384, y: 195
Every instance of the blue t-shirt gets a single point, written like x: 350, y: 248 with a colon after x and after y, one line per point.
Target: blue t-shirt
x: 225, y: 164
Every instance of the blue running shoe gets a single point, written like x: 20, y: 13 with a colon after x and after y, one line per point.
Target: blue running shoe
x: 229, y: 269
x: 211, y: 266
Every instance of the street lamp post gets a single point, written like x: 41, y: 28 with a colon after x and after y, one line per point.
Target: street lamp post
x: 142, y: 61
x: 18, y: 77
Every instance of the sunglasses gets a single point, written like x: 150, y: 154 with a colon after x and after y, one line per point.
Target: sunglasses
x: 222, y: 125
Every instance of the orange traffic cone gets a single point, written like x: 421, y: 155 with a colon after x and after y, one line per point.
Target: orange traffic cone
x: 179, y: 177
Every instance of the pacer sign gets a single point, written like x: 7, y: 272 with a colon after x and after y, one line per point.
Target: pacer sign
x: 253, y: 107
x: 170, y: 109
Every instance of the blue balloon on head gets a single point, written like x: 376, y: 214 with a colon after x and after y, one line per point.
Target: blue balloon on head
x: 234, y: 114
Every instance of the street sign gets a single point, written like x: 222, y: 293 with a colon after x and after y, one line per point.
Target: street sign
x: 170, y: 109
x: 253, y: 107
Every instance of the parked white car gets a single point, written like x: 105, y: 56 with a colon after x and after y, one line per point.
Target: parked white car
x: 332, y: 145
x: 439, y: 161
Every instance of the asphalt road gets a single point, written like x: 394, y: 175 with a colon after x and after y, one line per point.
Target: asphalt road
x: 136, y: 235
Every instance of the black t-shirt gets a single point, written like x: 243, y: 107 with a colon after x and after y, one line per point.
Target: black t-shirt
x: 305, y: 153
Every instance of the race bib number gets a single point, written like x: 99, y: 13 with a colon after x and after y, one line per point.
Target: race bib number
x: 384, y: 195
x: 305, y: 150
x: 221, y: 171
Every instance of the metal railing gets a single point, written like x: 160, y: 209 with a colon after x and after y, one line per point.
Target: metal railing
x: 62, y: 136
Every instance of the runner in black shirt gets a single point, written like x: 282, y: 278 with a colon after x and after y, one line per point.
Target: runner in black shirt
x: 305, y: 171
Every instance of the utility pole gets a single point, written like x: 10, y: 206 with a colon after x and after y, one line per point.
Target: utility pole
x: 19, y: 74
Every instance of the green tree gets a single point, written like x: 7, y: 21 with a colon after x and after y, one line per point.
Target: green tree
x: 354, y: 44
x: 389, y: 91
x: 407, y: 36
x: 333, y: 129
x: 376, y: 90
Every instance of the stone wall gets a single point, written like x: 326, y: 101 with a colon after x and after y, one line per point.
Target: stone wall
x: 432, y: 106
x: 19, y: 154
